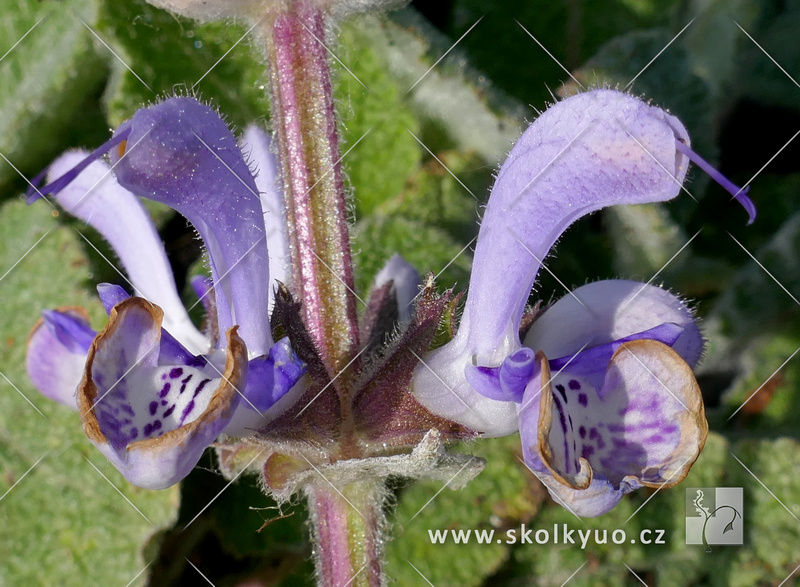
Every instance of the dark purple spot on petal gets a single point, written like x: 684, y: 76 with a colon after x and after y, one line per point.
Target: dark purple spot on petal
x: 187, y: 411
x: 583, y: 399
x: 563, y: 421
x: 601, y: 444
x: 176, y: 372
x: 184, y: 382
x: 560, y: 389
x: 148, y: 428
x: 587, y: 451
x: 163, y: 376
x: 168, y: 412
x: 573, y: 384
x: 164, y: 391
x: 582, y: 431
x: 163, y: 402
x: 134, y: 433
x: 153, y: 408
x: 128, y: 409
x: 593, y: 433
x: 157, y: 425
x: 200, y: 387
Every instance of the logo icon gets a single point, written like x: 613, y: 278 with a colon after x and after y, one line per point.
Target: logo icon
x: 714, y: 516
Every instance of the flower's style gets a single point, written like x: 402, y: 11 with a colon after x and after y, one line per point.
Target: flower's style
x: 153, y: 391
x: 602, y: 389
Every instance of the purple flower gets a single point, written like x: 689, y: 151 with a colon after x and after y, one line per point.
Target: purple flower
x: 154, y: 391
x: 602, y: 389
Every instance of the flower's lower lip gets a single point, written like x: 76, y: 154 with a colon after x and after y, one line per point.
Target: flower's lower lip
x: 154, y: 417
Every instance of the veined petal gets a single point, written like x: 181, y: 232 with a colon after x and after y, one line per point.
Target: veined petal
x: 152, y: 418
x: 183, y: 155
x: 95, y: 197
x: 600, y: 497
x: 255, y: 144
x: 587, y: 152
x: 57, y: 349
x: 605, y: 311
x: 644, y: 427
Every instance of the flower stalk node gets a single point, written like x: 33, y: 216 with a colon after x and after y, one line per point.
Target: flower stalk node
x: 428, y: 460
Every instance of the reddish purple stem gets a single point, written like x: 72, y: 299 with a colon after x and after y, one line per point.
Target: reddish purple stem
x: 305, y: 121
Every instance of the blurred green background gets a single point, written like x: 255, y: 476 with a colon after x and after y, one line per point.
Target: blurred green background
x: 727, y: 69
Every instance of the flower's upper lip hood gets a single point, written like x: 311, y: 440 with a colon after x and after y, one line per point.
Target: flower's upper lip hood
x: 587, y: 152
x: 181, y: 153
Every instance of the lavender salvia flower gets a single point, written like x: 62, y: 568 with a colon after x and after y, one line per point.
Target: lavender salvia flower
x: 602, y: 389
x: 155, y: 392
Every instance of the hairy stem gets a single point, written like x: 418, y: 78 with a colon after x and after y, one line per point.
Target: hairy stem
x: 308, y: 144
x: 347, y: 525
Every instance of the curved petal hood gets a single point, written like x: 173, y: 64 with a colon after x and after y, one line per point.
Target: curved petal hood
x: 181, y: 153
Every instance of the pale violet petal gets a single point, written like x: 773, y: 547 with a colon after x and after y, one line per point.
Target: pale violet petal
x: 589, y: 151
x: 440, y: 384
x: 604, y: 311
x: 269, y: 379
x: 56, y: 355
x: 181, y: 153
x: 95, y: 197
x: 644, y: 427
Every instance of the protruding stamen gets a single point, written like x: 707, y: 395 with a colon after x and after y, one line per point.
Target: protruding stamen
x: 63, y: 181
x: 739, y: 193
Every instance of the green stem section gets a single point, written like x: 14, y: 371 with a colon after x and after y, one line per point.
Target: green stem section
x: 347, y: 526
x: 308, y: 145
